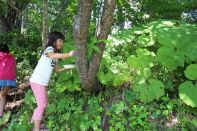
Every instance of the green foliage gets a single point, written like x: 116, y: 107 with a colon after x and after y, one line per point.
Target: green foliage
x: 191, y: 72
x: 69, y: 79
x: 127, y: 117
x: 185, y: 114
x: 128, y: 11
x: 145, y: 41
x: 167, y: 9
x: 116, y: 112
x: 144, y: 59
x: 187, y: 90
x: 123, y: 36
x: 5, y: 118
x: 119, y: 79
x: 169, y: 58
x: 144, y: 73
x: 174, y: 51
x: 187, y: 93
x: 139, y: 63
x: 166, y: 46
x: 73, y: 116
x: 23, y: 70
x: 138, y: 117
x: 29, y: 98
x: 60, y: 16
x: 105, y: 78
x: 21, y: 123
x: 194, y: 122
x: 149, y: 91
x: 24, y: 47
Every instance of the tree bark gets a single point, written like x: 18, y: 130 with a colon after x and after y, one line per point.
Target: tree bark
x: 45, y: 23
x: 88, y: 71
x: 81, y: 24
x: 103, y: 31
x: 3, y: 25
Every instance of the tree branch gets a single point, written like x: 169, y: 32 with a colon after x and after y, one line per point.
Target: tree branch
x: 103, y: 31
x: 45, y: 23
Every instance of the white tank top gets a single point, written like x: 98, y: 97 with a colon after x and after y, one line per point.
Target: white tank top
x: 44, y: 68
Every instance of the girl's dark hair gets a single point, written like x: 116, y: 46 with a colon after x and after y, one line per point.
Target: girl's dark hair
x: 4, y: 48
x: 53, y: 36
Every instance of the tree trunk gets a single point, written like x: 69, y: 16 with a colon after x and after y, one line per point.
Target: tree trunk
x: 88, y: 71
x: 81, y: 23
x: 104, y: 29
x: 45, y: 23
x: 3, y: 25
x: 10, y: 17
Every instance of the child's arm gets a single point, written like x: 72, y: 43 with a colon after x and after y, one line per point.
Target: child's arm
x: 60, y: 55
x: 59, y: 69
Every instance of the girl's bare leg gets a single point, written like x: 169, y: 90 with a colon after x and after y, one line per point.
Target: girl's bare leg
x: 3, y: 95
x: 37, y: 125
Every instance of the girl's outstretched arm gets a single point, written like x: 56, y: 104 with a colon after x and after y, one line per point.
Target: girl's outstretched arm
x: 60, y: 55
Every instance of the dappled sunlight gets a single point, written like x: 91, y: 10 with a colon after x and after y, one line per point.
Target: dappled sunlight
x: 136, y: 65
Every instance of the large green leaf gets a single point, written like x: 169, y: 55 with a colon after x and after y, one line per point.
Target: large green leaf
x: 187, y: 93
x: 161, y: 25
x: 124, y: 36
x: 190, y: 51
x: 105, y: 78
x: 170, y: 58
x: 145, y: 41
x: 149, y: 91
x: 194, y: 122
x: 191, y: 72
x: 179, y: 36
x: 119, y: 79
x: 145, y: 73
x: 133, y: 61
x: 29, y: 98
x: 172, y: 37
x: 143, y: 59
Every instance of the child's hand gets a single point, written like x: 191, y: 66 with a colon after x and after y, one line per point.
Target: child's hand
x: 72, y: 53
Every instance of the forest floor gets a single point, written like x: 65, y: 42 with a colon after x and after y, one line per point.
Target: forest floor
x: 15, y: 99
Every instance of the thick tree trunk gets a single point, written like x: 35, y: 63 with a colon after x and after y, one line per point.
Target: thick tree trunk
x: 81, y: 24
x: 88, y: 71
x: 45, y: 23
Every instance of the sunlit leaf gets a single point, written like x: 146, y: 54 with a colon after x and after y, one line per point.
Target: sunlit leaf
x: 145, y: 41
x: 191, y: 72
x: 187, y: 93
x: 143, y: 59
x: 169, y: 58
x: 151, y: 90
x: 105, y: 78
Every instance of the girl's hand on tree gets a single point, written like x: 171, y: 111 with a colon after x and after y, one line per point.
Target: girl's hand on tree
x: 72, y: 53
